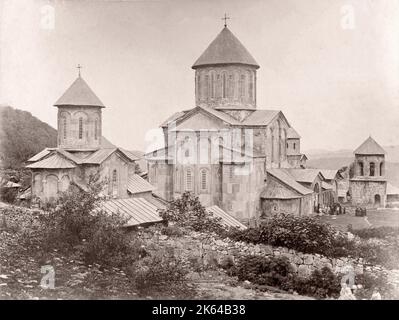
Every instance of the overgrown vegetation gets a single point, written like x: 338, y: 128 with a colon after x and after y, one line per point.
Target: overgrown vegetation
x: 308, y: 235
x: 187, y: 211
x: 379, y: 232
x: 22, y: 136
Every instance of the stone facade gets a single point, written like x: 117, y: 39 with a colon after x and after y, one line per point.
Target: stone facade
x: 368, y: 186
x: 79, y: 127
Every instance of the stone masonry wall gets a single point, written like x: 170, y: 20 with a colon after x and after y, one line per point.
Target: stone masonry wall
x: 209, y: 249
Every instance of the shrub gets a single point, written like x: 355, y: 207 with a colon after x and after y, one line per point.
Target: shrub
x: 187, y: 211
x: 263, y: 270
x: 371, y: 282
x: 322, y: 283
x: 172, y: 231
x: 304, y: 234
x: 161, y: 275
x: 380, y: 232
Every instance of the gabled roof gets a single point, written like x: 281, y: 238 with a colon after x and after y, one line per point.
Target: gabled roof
x: 304, y: 175
x: 225, y: 49
x: 292, y: 134
x: 132, y: 155
x: 226, y: 219
x: 258, y: 117
x: 288, y: 180
x: 137, y: 184
x: 54, y: 161
x: 326, y: 186
x: 99, y: 156
x: 79, y: 94
x: 329, y: 174
x: 370, y: 147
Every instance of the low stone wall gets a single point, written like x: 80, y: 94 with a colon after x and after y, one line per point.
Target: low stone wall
x: 210, y: 249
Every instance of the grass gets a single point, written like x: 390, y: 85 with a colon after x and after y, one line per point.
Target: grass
x: 377, y: 218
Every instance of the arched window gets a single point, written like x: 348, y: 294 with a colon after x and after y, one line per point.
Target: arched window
x: 381, y: 168
x: 199, y: 86
x: 230, y: 87
x: 204, y: 179
x: 361, y: 169
x: 189, y: 180
x: 224, y: 86
x: 294, y: 146
x: 287, y: 145
x: 96, y: 129
x: 212, y: 86
x: 242, y: 86
x: 206, y: 87
x: 187, y: 153
x: 372, y: 169
x: 114, y: 182
x: 80, y: 128
x: 64, y: 127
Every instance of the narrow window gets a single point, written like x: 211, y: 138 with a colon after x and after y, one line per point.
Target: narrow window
x: 381, y: 168
x: 187, y: 153
x: 361, y: 169
x: 372, y: 169
x: 199, y: 86
x: 224, y: 85
x: 231, y: 173
x: 212, y: 86
x: 189, y: 180
x: 287, y: 145
x: 80, y: 128
x: 242, y: 86
x: 64, y: 124
x: 96, y: 129
x: 294, y: 146
x: 204, y: 182
x: 114, y: 182
x: 206, y: 87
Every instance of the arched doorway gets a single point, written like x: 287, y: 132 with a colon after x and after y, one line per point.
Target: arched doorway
x: 377, y: 200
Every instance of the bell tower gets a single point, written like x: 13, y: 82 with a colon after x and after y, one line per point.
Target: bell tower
x: 79, y: 118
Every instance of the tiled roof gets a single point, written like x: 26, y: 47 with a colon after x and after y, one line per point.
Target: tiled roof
x: 292, y: 134
x: 79, y: 94
x: 370, y: 146
x: 55, y: 161
x: 225, y: 49
x: 173, y: 117
x: 137, y: 210
x: 137, y: 184
x: 105, y: 143
x: 227, y: 219
x: 287, y: 179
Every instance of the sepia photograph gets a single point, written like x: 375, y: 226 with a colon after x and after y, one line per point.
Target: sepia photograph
x: 172, y: 152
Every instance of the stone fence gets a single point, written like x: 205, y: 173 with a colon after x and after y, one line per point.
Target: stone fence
x: 210, y: 249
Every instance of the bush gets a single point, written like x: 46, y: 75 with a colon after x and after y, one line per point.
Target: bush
x: 161, y: 275
x: 76, y: 224
x: 379, y: 233
x: 304, y: 234
x: 263, y: 270
x: 172, y: 231
x: 321, y: 284
x: 187, y: 211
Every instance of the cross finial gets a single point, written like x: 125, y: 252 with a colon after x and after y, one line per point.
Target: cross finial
x: 79, y: 67
x: 225, y: 18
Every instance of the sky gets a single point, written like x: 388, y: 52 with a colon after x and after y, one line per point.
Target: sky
x: 331, y: 66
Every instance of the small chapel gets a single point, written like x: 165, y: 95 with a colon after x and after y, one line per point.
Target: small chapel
x: 83, y: 152
x: 230, y: 153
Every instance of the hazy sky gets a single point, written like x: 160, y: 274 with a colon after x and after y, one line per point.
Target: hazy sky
x: 335, y: 78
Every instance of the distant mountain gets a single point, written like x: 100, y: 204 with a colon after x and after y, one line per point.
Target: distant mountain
x: 21, y: 136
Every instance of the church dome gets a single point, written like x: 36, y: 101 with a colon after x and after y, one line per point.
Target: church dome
x: 79, y: 94
x: 225, y: 49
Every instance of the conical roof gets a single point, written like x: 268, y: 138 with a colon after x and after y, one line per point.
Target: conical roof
x: 370, y: 146
x: 79, y: 94
x: 225, y: 49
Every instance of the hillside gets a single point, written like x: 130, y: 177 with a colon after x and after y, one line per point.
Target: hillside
x: 21, y: 136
